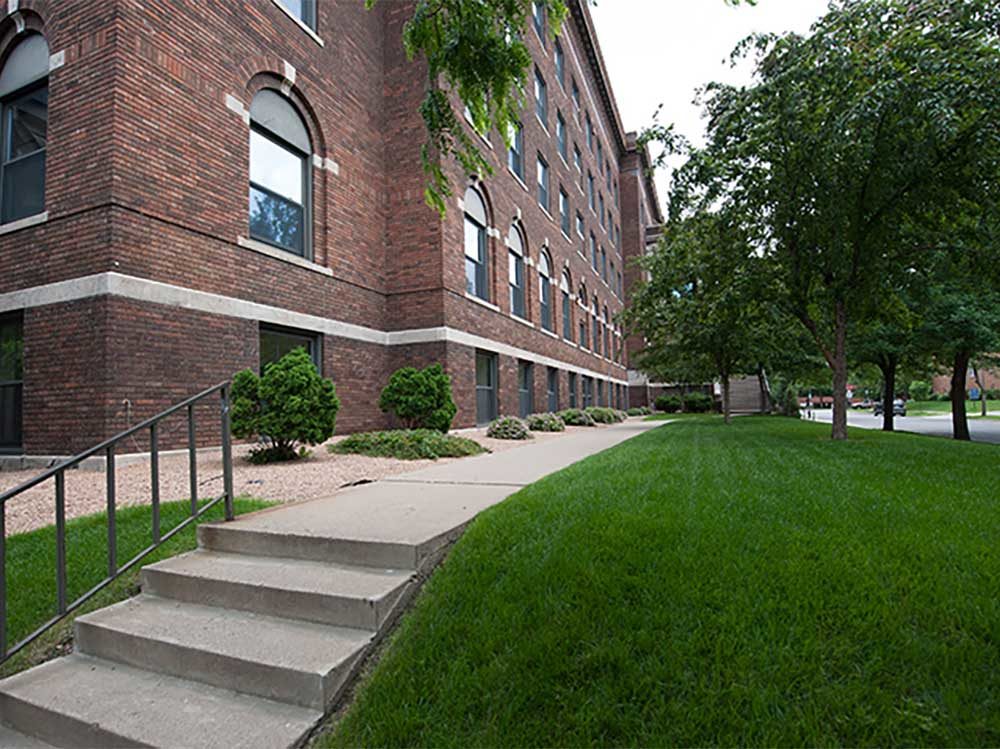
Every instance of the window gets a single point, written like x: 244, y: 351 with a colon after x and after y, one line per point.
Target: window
x: 579, y: 224
x: 588, y: 391
x: 564, y: 211
x: 607, y: 180
x: 486, y: 387
x: 24, y: 118
x: 11, y: 381
x: 567, y: 322
x: 515, y: 266
x: 543, y: 183
x: 572, y: 389
x: 553, y: 389
x: 614, y: 279
x: 541, y: 98
x: 280, y: 183
x: 590, y: 132
x: 538, y: 19
x: 600, y: 209
x: 621, y: 285
x: 577, y: 158
x: 560, y: 64
x: 600, y: 156
x: 561, y: 140
x: 276, y: 341
x: 591, y: 198
x: 604, y: 265
x: 304, y: 10
x: 525, y: 388
x: 515, y: 154
x: 593, y: 255
x: 595, y: 327
x: 607, y: 333
x: 545, y: 290
x: 476, y: 277
x: 576, y: 100
x: 583, y: 333
x: 600, y: 393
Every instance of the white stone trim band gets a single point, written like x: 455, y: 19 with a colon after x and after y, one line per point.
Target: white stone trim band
x: 156, y: 292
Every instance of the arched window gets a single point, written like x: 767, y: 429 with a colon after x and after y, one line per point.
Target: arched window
x: 545, y: 290
x: 607, y: 333
x: 582, y: 298
x: 476, y: 275
x: 567, y: 317
x: 280, y: 177
x: 24, y: 118
x: 515, y: 269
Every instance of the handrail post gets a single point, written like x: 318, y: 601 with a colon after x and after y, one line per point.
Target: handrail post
x: 112, y: 533
x: 154, y: 479
x: 61, y: 542
x: 227, y: 454
x: 3, y: 580
x: 192, y: 460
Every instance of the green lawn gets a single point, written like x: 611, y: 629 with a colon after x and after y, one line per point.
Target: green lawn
x: 708, y: 585
x: 936, y: 408
x: 31, y: 564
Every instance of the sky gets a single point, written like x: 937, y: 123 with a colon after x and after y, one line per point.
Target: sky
x: 661, y: 51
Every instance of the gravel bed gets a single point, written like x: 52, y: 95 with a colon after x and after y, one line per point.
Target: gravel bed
x: 319, y: 476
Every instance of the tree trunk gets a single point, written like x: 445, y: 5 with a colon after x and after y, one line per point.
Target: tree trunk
x: 765, y: 396
x: 959, y: 375
x: 726, y: 413
x: 888, y: 367
x: 839, y: 365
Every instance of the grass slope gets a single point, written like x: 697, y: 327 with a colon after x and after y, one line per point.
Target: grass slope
x: 711, y: 585
x: 973, y: 409
x: 31, y: 567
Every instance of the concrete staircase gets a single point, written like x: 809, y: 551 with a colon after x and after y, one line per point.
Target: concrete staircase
x: 243, y: 642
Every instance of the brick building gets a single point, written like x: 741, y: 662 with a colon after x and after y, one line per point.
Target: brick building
x: 189, y: 189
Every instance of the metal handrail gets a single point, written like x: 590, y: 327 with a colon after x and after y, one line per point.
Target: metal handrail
x: 58, y: 473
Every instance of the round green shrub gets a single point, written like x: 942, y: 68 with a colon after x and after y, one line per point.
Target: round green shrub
x: 508, y: 428
x: 545, y: 423
x: 920, y: 390
x: 670, y: 404
x: 602, y: 415
x: 698, y: 403
x: 574, y: 417
x: 289, y: 407
x: 420, y: 398
x: 403, y: 444
x: 635, y: 412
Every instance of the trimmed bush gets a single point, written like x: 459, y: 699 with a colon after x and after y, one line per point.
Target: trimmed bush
x: 635, y: 412
x: 290, y: 407
x: 603, y: 415
x: 574, y: 417
x: 408, y: 444
x: 545, y: 423
x: 420, y: 398
x: 698, y: 403
x: 939, y: 397
x: 509, y: 428
x: 920, y: 390
x: 670, y: 404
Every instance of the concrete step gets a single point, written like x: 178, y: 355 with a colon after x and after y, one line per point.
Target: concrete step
x: 79, y: 701
x: 290, y: 588
x: 11, y: 739
x: 298, y: 662
x: 384, y: 525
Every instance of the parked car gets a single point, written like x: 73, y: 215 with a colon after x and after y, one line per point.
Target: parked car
x: 898, y: 408
x: 866, y: 403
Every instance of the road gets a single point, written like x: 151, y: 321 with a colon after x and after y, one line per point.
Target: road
x: 982, y: 430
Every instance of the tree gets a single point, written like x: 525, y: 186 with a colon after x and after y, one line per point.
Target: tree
x: 847, y: 134
x: 472, y: 49
x: 291, y: 404
x: 700, y: 310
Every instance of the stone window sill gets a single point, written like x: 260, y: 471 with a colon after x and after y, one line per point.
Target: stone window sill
x: 24, y: 223
x: 286, y: 257
x: 481, y: 302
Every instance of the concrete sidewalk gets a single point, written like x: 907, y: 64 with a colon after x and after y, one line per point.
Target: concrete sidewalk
x: 250, y: 639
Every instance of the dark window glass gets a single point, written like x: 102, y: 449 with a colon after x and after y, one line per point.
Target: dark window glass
x: 567, y: 326
x: 560, y: 64
x: 276, y: 342
x: 11, y: 385
x: 515, y: 154
x: 553, y: 390
x: 588, y: 392
x: 24, y: 132
x: 561, y: 140
x: 476, y: 278
x: 541, y: 98
x: 572, y: 390
x: 564, y: 211
x: 516, y: 269
x: 538, y: 19
x: 526, y: 388
x: 279, y: 188
x: 543, y: 183
x: 486, y: 387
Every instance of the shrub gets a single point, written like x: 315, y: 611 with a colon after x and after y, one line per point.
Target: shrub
x: 420, y: 398
x: 670, y: 404
x: 938, y: 397
x: 403, y: 444
x: 992, y: 394
x: 620, y: 415
x: 291, y: 405
x: 920, y: 390
x: 635, y: 412
x: 509, y: 428
x: 698, y: 403
x: 602, y: 415
x: 546, y: 423
x: 574, y: 417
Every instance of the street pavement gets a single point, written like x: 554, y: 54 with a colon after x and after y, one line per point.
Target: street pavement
x: 982, y: 430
